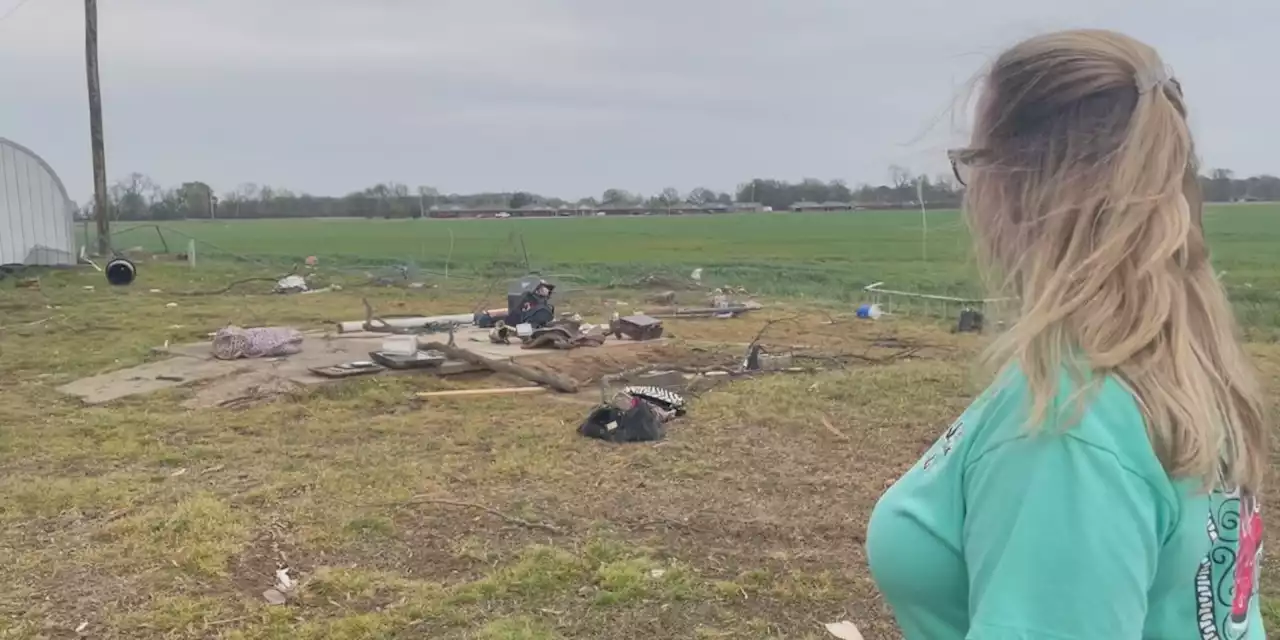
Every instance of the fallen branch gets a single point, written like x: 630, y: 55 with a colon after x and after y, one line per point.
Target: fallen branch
x: 489, y: 510
x: 557, y: 382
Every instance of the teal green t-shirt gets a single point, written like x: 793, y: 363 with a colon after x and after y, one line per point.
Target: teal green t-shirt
x: 1076, y: 534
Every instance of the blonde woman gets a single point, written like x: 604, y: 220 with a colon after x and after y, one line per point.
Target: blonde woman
x: 1103, y: 488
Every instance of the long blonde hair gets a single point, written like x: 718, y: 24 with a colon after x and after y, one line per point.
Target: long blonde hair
x: 1083, y: 199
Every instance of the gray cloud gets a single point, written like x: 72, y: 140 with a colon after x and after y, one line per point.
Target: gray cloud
x: 570, y: 97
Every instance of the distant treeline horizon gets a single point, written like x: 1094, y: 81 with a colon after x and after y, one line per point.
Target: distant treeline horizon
x: 137, y: 197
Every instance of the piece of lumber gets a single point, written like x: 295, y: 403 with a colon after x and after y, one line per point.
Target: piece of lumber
x: 557, y: 382
x: 492, y: 391
x: 703, y: 312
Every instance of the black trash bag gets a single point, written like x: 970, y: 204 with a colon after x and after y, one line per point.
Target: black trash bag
x: 640, y: 423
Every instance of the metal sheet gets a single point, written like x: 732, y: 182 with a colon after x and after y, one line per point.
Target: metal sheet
x: 36, y: 226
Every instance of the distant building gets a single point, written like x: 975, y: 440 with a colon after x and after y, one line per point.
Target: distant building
x: 830, y: 205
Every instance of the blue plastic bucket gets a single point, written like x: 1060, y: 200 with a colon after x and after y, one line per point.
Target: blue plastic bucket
x: 869, y: 311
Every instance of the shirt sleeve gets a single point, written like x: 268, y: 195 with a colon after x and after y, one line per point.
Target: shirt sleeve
x: 1061, y: 542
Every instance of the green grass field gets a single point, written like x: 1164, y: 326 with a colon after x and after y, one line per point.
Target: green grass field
x: 488, y: 517
x: 823, y: 255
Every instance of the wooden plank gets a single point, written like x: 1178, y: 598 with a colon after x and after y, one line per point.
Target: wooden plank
x: 557, y: 382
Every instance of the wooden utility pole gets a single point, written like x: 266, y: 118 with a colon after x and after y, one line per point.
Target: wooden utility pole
x: 95, y: 127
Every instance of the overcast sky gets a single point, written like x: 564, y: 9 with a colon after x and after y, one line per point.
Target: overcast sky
x: 570, y: 97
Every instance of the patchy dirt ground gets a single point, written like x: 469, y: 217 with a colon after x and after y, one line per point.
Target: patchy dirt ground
x: 476, y: 517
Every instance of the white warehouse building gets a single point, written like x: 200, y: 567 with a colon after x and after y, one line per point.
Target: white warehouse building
x: 36, y: 215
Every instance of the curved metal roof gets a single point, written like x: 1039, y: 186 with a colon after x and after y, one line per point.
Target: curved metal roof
x: 35, y: 210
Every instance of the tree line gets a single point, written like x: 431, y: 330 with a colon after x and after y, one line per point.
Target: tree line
x: 137, y: 197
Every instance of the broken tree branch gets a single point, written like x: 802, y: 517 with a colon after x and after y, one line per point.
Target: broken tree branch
x: 557, y: 382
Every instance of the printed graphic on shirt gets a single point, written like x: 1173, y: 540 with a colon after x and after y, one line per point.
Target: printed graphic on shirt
x: 1227, y: 581
x: 944, y: 446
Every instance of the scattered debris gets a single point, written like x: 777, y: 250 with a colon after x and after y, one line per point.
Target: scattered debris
x: 728, y: 311
x: 291, y: 283
x: 655, y: 281
x: 171, y: 305
x: 232, y: 342
x: 283, y: 590
x: 404, y: 324
x: 221, y: 383
x: 529, y: 302
x: 241, y: 390
x: 347, y: 369
x: 233, y: 285
x: 844, y: 630
x: 557, y: 382
x: 904, y: 302
x: 637, y: 327
x: 696, y: 276
x: 273, y: 596
x: 759, y: 360
x: 636, y: 421
x: 666, y: 297
x: 83, y: 625
x: 399, y: 345
x: 869, y: 312
x: 561, y: 337
x: 669, y: 402
x: 417, y: 360
x: 84, y: 258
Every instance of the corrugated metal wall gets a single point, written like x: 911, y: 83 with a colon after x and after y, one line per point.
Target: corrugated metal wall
x: 36, y: 225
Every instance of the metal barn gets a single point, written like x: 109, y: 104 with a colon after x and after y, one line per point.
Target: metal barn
x: 36, y: 215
